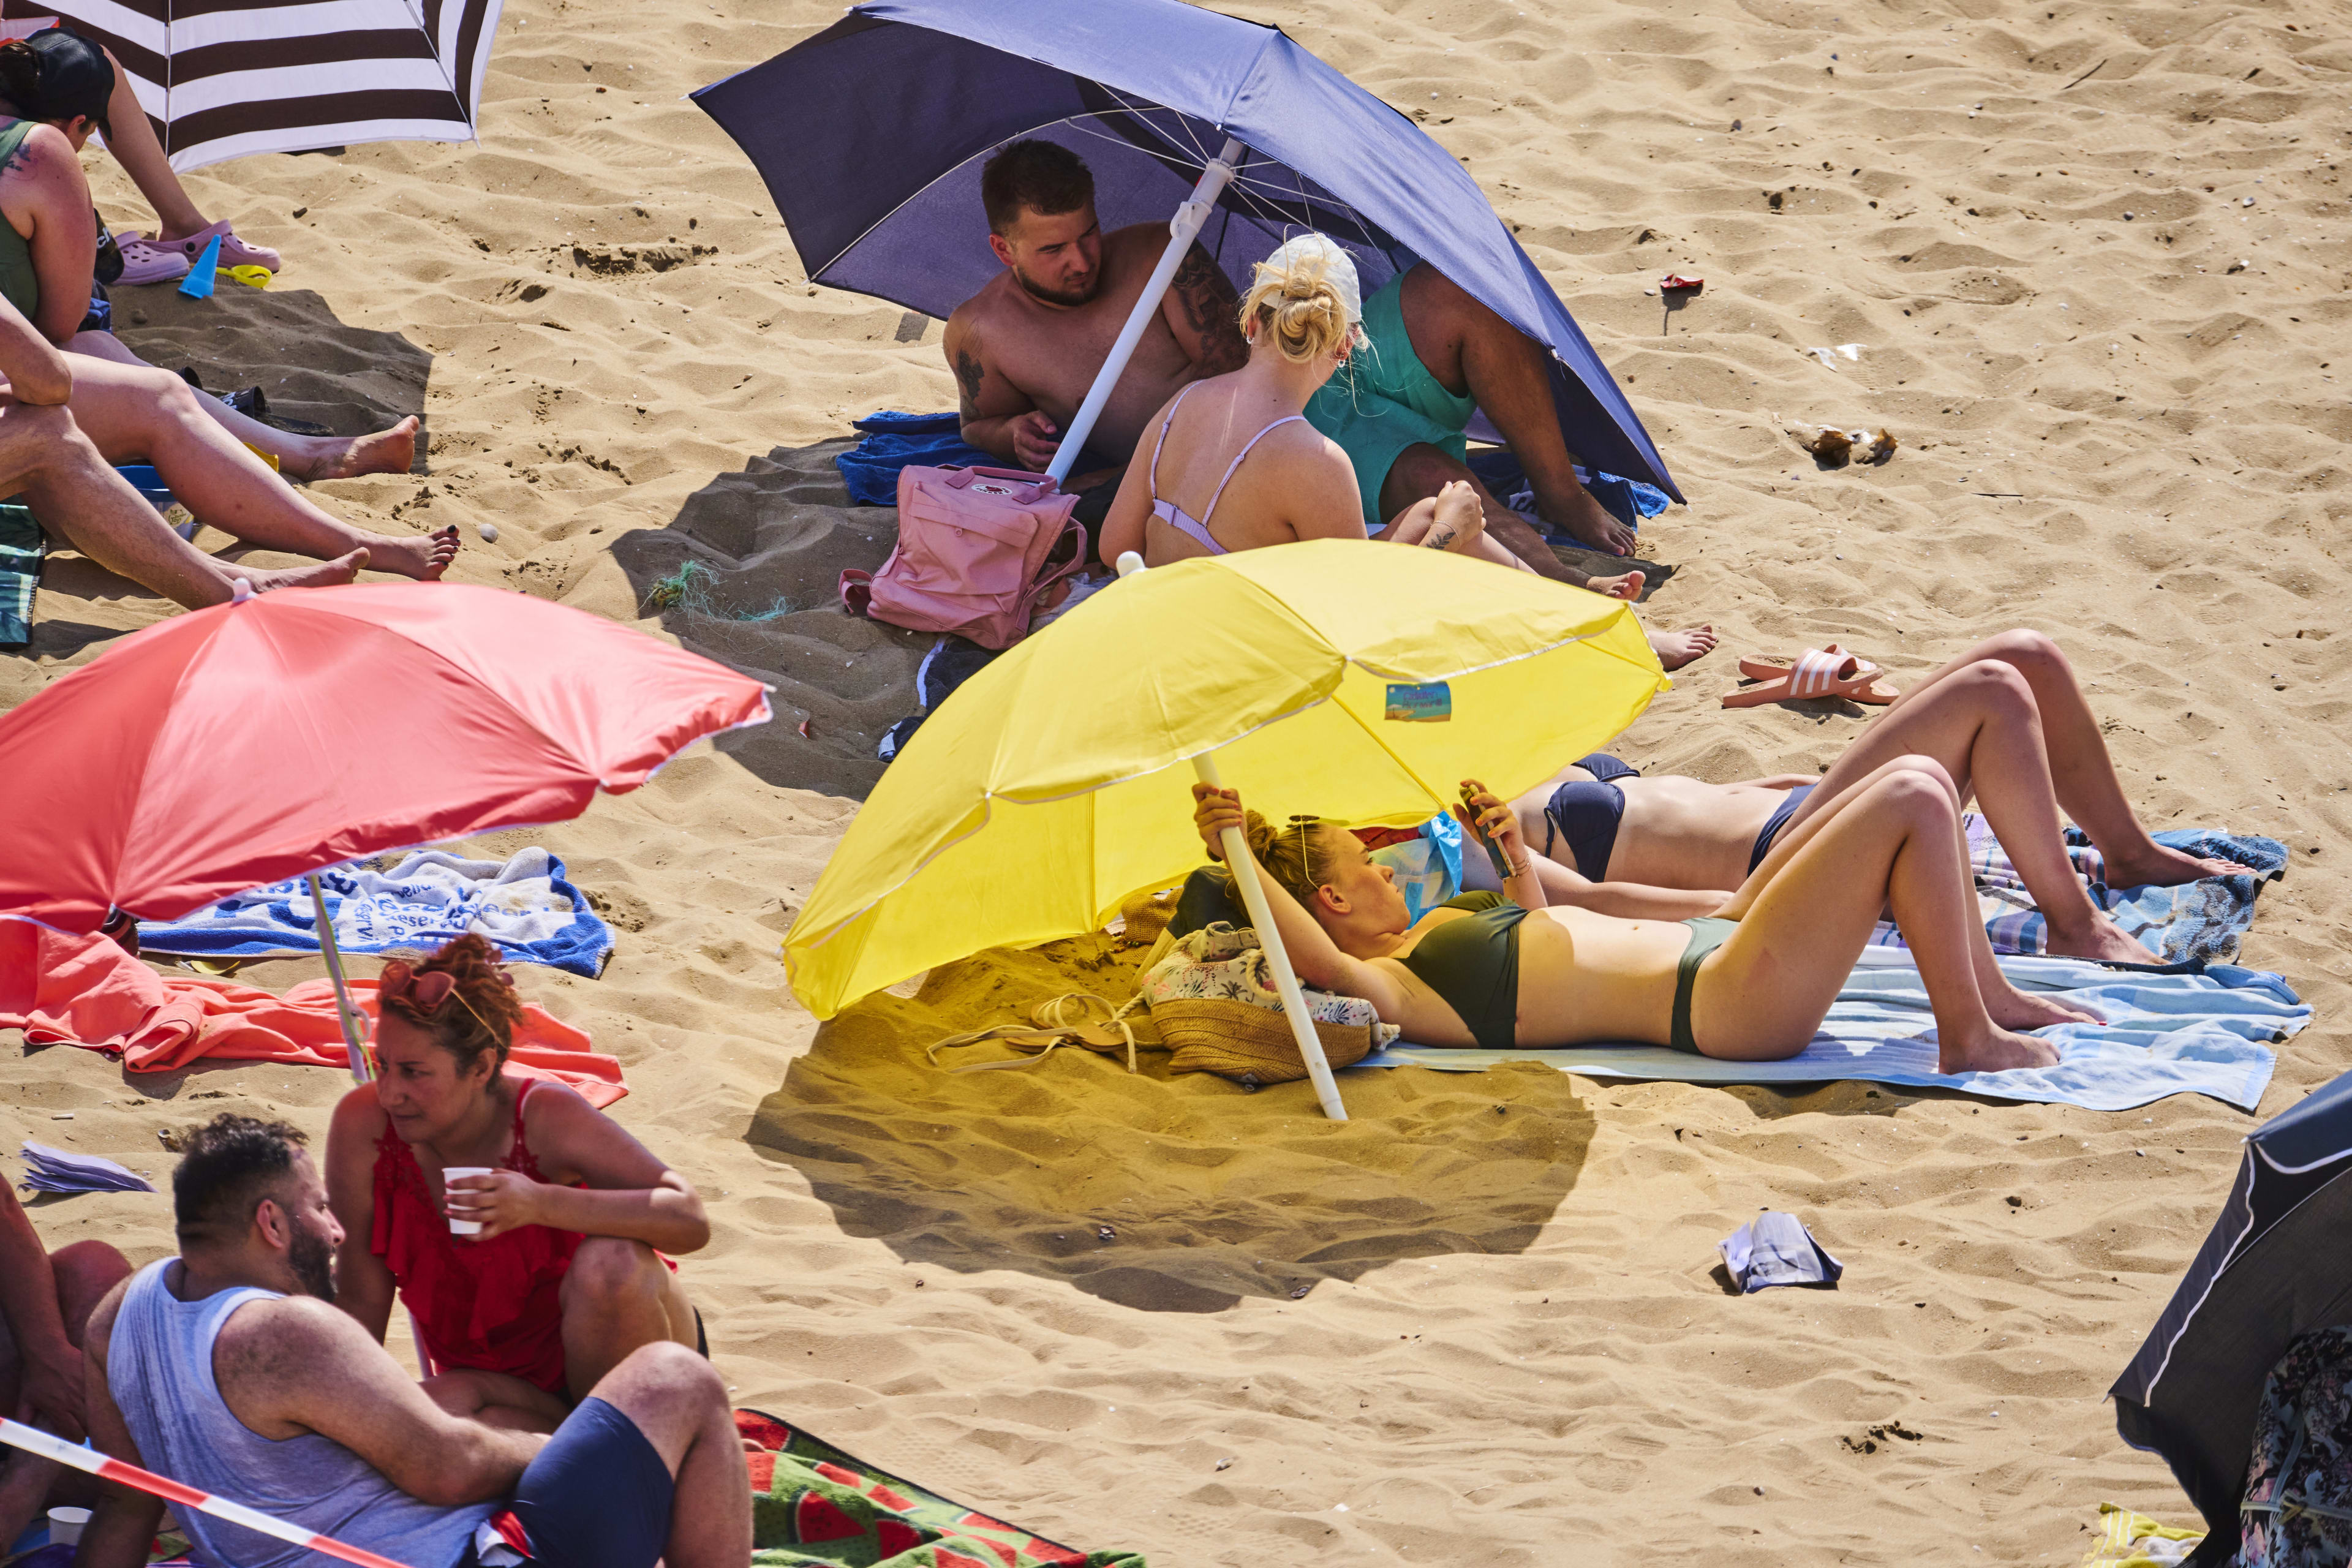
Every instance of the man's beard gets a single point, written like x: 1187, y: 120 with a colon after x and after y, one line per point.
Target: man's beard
x: 1077, y: 296
x: 313, y: 1262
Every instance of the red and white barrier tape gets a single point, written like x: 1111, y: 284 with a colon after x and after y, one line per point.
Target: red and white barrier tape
x: 35, y: 1441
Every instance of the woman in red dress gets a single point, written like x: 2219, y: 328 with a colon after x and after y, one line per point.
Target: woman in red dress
x: 567, y: 1274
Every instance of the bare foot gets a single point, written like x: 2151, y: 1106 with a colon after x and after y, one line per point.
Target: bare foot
x: 2161, y: 867
x: 423, y: 556
x: 2025, y: 1010
x: 1589, y: 523
x: 1625, y: 585
x: 1999, y: 1050
x: 325, y: 574
x: 2102, y: 939
x: 1675, y: 649
x: 1460, y: 520
x: 385, y: 452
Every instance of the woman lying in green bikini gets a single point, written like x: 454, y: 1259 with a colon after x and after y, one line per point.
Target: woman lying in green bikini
x: 1754, y: 985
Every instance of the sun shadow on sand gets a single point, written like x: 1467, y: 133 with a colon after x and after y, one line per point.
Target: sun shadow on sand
x: 318, y: 373
x: 762, y: 550
x: 1208, y: 1193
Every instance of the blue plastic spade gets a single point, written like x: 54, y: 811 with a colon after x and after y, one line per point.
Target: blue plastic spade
x: 198, y: 283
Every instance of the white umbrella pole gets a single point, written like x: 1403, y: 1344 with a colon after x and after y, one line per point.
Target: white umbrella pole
x: 1294, y: 1006
x: 1244, y: 866
x: 1183, y: 229
x: 348, y: 1016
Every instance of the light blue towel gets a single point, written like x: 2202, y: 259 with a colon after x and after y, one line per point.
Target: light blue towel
x: 523, y: 905
x: 2165, y: 1034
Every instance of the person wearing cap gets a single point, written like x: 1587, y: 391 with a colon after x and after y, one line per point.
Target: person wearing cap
x: 89, y: 74
x: 58, y: 78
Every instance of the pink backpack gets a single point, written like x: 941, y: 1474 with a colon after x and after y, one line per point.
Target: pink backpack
x: 977, y: 549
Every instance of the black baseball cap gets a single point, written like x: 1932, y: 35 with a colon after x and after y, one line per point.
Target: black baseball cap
x: 77, y: 79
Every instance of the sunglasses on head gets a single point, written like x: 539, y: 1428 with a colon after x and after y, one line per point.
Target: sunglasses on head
x: 427, y: 991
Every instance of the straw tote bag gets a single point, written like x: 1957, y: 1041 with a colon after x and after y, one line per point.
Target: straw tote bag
x: 978, y: 548
x: 1215, y: 1002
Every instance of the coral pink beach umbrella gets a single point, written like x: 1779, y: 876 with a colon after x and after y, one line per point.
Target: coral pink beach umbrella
x: 229, y: 748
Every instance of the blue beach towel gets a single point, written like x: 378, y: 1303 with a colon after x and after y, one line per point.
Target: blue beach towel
x: 2166, y: 1034
x: 524, y: 905
x: 1627, y: 500
x: 893, y: 441
x: 22, y: 545
x: 2197, y: 922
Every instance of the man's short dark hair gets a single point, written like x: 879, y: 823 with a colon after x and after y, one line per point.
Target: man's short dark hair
x: 1044, y: 177
x: 227, y: 1166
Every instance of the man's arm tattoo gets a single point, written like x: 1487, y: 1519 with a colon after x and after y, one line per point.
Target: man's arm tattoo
x: 969, y: 375
x: 1210, y: 307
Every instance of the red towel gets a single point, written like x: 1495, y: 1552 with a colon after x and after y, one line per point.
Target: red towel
x: 86, y: 991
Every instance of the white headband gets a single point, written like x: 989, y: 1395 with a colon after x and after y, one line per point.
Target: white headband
x: 1339, y: 268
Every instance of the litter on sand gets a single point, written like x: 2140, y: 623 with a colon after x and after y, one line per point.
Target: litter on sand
x: 1776, y: 1248
x: 51, y: 1170
x: 1863, y: 444
x: 1829, y: 357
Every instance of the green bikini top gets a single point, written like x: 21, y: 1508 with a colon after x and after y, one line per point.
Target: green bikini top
x: 1473, y: 964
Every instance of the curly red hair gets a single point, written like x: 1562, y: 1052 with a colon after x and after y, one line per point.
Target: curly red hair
x: 480, y: 1015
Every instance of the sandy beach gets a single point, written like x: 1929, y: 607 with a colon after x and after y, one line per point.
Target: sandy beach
x: 2095, y: 264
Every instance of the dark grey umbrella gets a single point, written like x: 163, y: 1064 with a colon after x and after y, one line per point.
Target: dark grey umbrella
x: 2276, y: 1267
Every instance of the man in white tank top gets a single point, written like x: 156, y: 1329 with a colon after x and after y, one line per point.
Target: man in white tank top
x: 228, y: 1369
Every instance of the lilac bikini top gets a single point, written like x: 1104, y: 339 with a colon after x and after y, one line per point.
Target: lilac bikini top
x: 1168, y: 511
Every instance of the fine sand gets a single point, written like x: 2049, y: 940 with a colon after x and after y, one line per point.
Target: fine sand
x: 1478, y: 1323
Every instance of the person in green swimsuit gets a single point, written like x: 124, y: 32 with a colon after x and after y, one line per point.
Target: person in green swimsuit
x: 1432, y: 355
x: 49, y: 242
x: 1497, y: 970
x: 137, y: 413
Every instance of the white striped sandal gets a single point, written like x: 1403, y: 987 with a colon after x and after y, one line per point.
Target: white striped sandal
x: 1817, y: 672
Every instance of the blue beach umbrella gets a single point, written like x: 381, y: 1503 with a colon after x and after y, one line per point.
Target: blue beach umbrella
x: 2274, y: 1267
x: 871, y: 136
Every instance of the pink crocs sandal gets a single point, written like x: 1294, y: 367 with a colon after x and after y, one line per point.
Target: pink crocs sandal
x: 233, y: 252
x: 144, y: 261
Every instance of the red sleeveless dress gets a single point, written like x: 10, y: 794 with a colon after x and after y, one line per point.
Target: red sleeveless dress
x: 494, y: 1305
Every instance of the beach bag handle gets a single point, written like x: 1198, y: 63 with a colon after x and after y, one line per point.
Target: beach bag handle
x: 1034, y: 487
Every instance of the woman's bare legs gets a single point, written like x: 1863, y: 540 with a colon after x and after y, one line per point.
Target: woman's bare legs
x: 392, y: 451
x: 2080, y: 772
x: 1894, y: 840
x: 132, y: 141
x: 1982, y: 719
x: 134, y: 413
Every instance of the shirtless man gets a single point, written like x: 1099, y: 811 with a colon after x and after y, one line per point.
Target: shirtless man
x: 227, y: 1369
x: 1026, y: 349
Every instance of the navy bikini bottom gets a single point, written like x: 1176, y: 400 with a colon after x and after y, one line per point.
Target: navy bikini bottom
x: 1586, y: 814
x: 1777, y: 821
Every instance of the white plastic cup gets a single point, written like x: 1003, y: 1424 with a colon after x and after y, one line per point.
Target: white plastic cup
x: 450, y: 1173
x: 65, y: 1525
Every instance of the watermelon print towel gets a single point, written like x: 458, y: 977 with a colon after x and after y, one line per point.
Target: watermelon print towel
x: 814, y: 1506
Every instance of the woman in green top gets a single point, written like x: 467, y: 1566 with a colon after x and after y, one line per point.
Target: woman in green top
x: 135, y: 413
x: 1752, y: 985
x: 47, y: 245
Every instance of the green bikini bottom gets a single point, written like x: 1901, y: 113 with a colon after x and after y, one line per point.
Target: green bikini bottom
x: 1707, y: 935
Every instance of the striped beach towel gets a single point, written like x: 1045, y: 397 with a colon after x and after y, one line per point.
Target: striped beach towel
x: 21, y: 549
x: 2197, y: 922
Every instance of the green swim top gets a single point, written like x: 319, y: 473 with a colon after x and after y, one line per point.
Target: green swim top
x: 19, y: 285
x: 1473, y: 964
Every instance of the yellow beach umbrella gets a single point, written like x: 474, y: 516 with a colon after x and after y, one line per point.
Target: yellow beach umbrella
x: 1357, y: 680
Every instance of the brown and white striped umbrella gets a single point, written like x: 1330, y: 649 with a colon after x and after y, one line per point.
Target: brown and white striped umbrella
x: 221, y: 79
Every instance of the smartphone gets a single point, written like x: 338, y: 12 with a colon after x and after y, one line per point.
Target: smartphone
x: 1493, y: 854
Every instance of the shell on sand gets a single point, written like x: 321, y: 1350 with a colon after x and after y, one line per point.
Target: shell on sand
x: 1514, y: 1350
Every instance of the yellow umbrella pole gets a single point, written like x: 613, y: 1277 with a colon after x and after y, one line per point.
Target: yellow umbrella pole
x: 1239, y: 861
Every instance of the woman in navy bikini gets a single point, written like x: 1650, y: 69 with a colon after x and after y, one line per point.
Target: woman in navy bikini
x: 2006, y: 721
